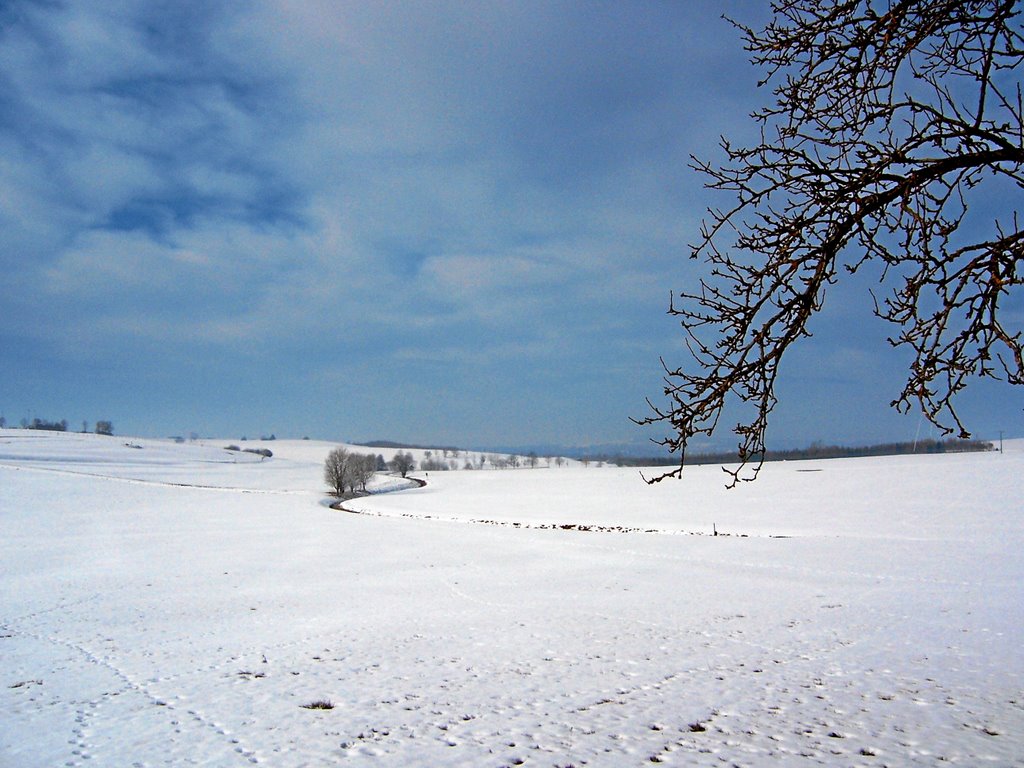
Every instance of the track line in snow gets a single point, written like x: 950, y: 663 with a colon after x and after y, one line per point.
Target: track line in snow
x: 795, y: 570
x: 565, y: 527
x: 158, y: 483
x: 83, y: 748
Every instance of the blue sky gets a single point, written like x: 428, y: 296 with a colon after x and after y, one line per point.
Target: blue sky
x: 433, y: 222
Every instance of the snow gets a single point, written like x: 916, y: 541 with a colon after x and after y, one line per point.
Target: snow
x: 178, y: 605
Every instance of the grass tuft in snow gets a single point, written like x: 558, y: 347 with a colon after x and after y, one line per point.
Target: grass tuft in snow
x: 319, y: 704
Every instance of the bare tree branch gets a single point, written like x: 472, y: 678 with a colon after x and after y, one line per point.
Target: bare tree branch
x: 888, y: 117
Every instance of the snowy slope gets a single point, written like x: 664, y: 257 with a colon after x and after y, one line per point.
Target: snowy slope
x: 178, y: 605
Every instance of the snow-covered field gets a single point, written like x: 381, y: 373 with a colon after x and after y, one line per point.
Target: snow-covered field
x: 179, y: 605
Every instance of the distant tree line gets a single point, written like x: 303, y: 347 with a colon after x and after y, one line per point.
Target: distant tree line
x: 821, y: 451
x: 445, y: 449
x: 102, y: 427
x: 47, y: 426
x: 514, y: 461
x: 440, y: 459
x: 816, y: 450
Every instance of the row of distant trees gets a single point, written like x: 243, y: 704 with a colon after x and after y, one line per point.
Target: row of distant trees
x: 102, y: 427
x: 496, y: 461
x: 347, y: 472
x: 816, y: 450
x: 514, y: 461
x: 440, y: 458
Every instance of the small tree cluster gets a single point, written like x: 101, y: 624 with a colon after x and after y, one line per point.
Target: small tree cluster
x: 348, y: 471
x: 433, y: 462
x: 403, y: 463
x: 43, y: 424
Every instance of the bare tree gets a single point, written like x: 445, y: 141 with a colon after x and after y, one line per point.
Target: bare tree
x: 403, y: 463
x: 352, y: 471
x: 365, y: 466
x: 336, y: 470
x: 888, y: 117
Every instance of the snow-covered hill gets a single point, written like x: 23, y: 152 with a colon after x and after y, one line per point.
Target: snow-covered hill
x: 177, y: 604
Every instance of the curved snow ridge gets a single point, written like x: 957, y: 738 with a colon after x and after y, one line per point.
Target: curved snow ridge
x: 525, y: 525
x: 397, y: 484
